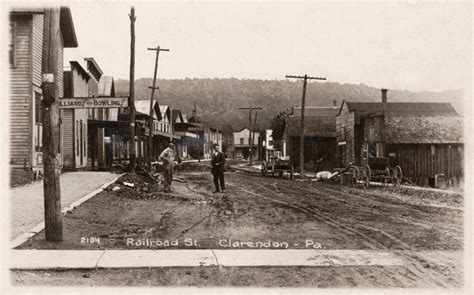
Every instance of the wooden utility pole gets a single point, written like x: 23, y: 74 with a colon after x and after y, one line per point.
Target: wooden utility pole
x: 250, y: 128
x: 305, y: 81
x: 50, y: 104
x: 253, y: 133
x: 131, y: 103
x: 150, y: 120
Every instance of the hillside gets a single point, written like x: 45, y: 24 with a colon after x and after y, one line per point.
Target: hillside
x: 218, y: 100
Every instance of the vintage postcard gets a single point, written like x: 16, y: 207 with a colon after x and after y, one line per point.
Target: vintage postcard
x: 272, y: 146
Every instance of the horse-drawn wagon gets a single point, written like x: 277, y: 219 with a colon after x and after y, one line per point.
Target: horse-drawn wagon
x: 276, y: 165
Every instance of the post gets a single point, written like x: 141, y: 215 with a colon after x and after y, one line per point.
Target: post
x: 131, y: 104
x: 253, y: 133
x: 250, y: 136
x: 305, y: 80
x: 51, y: 184
x: 152, y: 97
x: 250, y: 127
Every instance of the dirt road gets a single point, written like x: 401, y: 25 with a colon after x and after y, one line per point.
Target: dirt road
x: 265, y: 212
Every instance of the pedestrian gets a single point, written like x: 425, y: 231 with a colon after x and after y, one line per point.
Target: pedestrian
x: 167, y: 156
x: 218, y: 168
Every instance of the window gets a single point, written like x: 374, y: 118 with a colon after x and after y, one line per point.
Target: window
x: 343, y: 133
x: 372, y: 150
x: 12, y: 47
x: 78, y: 144
x: 241, y: 140
x: 38, y: 122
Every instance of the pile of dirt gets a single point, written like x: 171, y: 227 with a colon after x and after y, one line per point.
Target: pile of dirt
x: 140, y: 185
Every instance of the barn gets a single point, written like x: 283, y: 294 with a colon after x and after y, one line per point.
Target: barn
x: 425, y: 139
x: 319, y: 137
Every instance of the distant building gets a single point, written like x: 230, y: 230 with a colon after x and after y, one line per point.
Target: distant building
x: 319, y: 137
x: 242, y: 144
x: 208, y: 135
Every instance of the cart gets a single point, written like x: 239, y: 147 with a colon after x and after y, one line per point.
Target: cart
x: 377, y: 169
x: 276, y: 165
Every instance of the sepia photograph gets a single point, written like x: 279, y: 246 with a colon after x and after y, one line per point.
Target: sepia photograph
x: 272, y: 146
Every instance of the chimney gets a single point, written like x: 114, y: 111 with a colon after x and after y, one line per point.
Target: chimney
x: 384, y: 95
x: 334, y: 102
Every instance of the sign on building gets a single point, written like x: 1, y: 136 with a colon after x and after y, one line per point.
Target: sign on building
x: 93, y: 102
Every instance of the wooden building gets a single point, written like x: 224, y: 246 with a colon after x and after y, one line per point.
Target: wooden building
x: 74, y: 121
x: 181, y: 127
x: 208, y: 135
x: 425, y: 139
x: 108, y: 138
x: 242, y: 144
x: 25, y: 57
x: 319, y: 137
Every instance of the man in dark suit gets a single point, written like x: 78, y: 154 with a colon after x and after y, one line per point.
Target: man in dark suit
x: 218, y: 168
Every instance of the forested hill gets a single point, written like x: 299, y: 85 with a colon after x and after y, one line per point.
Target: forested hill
x: 218, y: 100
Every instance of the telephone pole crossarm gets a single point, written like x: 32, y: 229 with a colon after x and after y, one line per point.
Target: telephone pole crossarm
x: 305, y: 77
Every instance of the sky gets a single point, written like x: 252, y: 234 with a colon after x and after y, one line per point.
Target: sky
x: 413, y: 46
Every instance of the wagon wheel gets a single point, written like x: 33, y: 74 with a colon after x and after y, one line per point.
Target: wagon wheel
x: 365, y: 177
x: 397, y: 176
x: 354, y: 173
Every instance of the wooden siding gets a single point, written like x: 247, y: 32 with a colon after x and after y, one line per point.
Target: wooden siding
x: 75, y: 86
x: 80, y: 116
x: 21, y: 96
x: 420, y: 162
x: 315, y: 148
x: 38, y: 20
x: 80, y: 89
x: 345, y: 132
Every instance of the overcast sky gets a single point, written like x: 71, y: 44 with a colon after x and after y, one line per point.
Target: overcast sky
x: 396, y: 45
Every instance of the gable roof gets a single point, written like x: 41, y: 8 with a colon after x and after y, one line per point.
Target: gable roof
x: 316, y: 111
x: 175, y: 114
x: 143, y: 107
x: 76, y: 65
x: 65, y: 22
x: 427, y: 130
x: 313, y: 126
x: 402, y: 109
x: 106, y: 86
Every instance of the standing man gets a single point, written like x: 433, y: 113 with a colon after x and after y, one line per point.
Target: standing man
x: 167, y: 156
x: 217, y: 170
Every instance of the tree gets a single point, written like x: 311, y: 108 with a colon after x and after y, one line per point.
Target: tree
x: 277, y: 125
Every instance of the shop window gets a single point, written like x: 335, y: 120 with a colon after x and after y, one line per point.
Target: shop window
x: 78, y: 142
x: 372, y: 150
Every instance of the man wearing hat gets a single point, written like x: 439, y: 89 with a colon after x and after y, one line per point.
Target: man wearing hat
x: 167, y: 156
x: 218, y: 168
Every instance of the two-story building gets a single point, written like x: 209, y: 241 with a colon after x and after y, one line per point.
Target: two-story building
x: 26, y: 27
x: 242, y: 143
x: 74, y: 121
